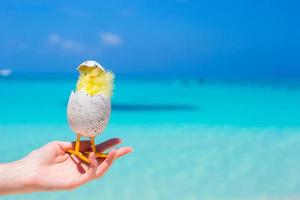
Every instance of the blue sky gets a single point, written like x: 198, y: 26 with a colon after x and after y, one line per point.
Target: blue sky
x: 203, y: 38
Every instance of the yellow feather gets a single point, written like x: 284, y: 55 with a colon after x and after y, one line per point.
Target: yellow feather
x: 95, y: 81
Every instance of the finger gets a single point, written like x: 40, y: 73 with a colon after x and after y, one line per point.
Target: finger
x: 108, y: 144
x: 93, y: 164
x: 120, y: 152
x: 84, y: 145
x: 123, y: 151
x: 104, y: 166
x: 80, y: 166
x: 92, y: 168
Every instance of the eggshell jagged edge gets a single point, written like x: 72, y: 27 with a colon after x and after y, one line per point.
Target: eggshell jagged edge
x: 91, y: 63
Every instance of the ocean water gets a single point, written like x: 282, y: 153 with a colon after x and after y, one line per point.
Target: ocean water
x: 192, y: 139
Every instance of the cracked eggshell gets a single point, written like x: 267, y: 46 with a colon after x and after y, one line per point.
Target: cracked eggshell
x: 90, y: 63
x: 88, y: 115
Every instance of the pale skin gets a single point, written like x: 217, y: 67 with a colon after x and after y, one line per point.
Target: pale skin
x: 51, y: 168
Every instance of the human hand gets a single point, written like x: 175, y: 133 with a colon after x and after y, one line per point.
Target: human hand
x: 52, y: 168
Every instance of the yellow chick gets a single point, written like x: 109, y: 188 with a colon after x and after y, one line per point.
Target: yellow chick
x: 89, y: 107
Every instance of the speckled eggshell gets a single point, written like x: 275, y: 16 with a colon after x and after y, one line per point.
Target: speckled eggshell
x: 88, y: 115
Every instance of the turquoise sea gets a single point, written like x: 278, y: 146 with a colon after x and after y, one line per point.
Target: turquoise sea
x: 193, y: 138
